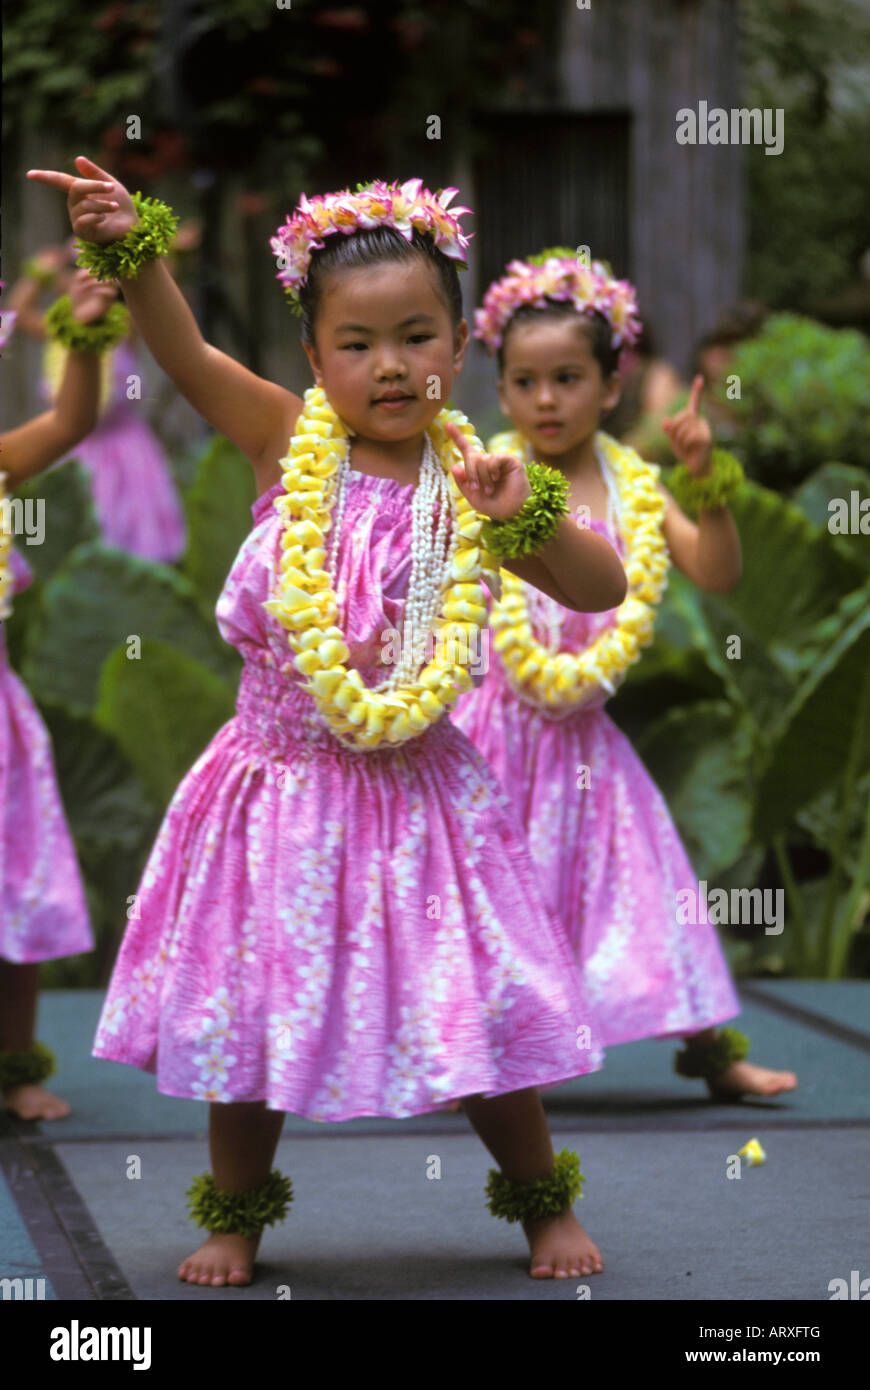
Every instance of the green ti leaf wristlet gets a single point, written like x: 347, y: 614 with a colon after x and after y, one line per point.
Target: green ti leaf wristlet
x: 150, y: 238
x: 536, y: 521
x: 104, y: 333
x: 701, y: 494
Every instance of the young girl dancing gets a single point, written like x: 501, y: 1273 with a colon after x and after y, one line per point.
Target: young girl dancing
x: 135, y: 496
x: 339, y: 916
x: 42, y: 903
x: 610, y: 861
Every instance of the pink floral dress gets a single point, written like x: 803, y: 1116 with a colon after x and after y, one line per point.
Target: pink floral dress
x: 43, y: 914
x: 135, y: 496
x: 610, y: 862
x: 340, y: 933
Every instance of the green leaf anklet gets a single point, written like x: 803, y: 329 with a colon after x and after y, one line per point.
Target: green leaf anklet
x: 529, y: 1201
x: 696, y: 494
x: 104, y: 333
x: 707, y: 1060
x: 243, y: 1213
x: 122, y: 260
x: 26, y: 1068
x: 536, y: 521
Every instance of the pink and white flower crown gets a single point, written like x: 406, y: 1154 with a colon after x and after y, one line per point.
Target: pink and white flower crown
x: 403, y: 206
x: 558, y: 275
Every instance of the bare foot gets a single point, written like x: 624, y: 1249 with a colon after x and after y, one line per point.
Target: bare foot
x: 31, y: 1102
x: 744, y: 1078
x: 224, y: 1259
x: 561, y: 1248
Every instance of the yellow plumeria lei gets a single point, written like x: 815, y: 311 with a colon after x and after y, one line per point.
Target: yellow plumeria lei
x: 5, y: 558
x: 307, y: 606
x: 54, y: 363
x: 567, y: 681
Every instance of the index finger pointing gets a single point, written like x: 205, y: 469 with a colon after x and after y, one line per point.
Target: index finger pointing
x: 463, y: 444
x: 695, y: 394
x: 53, y: 178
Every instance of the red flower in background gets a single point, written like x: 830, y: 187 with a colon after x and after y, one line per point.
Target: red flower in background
x: 251, y: 204
x: 411, y: 32
x: 356, y: 20
x: 166, y: 152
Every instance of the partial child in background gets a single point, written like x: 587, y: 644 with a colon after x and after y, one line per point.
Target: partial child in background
x: 43, y: 915
x: 135, y: 497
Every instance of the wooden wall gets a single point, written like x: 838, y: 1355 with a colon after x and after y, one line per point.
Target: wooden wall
x: 641, y: 61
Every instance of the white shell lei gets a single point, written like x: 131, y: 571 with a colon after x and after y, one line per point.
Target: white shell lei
x: 444, y: 590
x: 553, y: 680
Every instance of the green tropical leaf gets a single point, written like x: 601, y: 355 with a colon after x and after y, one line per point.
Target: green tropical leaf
x: 218, y: 507
x: 68, y: 511
x: 818, y: 731
x: 837, y: 480
x: 699, y: 756
x: 163, y: 709
x: 100, y: 598
x: 792, y: 577
x: 104, y: 801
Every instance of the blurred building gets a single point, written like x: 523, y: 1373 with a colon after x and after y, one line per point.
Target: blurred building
x: 593, y: 160
x: 575, y: 146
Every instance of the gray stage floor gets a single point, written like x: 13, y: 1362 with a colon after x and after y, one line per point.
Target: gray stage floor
x: 368, y: 1224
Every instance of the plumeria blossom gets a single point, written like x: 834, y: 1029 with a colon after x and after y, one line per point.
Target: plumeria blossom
x: 558, y: 278
x: 406, y: 207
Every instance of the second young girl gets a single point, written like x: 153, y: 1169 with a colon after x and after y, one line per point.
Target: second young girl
x: 339, y: 916
x: 610, y: 861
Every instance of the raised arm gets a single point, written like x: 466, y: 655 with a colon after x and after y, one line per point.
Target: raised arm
x: 23, y: 296
x: 707, y: 553
x: 32, y: 447
x: 250, y: 411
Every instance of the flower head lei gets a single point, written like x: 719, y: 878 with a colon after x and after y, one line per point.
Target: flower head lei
x: 406, y: 207
x: 558, y: 275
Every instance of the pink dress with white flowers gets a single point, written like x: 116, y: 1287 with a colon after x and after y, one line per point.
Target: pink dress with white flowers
x: 609, y: 858
x: 135, y: 497
x: 43, y: 914
x: 335, y: 932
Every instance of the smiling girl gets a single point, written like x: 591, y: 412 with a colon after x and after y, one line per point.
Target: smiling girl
x: 339, y: 917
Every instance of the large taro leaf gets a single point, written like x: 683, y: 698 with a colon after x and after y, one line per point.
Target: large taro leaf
x: 103, y: 798
x: 830, y: 482
x: 674, y: 670
x: 699, y: 757
x: 100, y: 598
x: 113, y: 824
x: 68, y: 516
x: 162, y: 709
x: 792, y: 579
x: 218, y: 508
x: 822, y: 729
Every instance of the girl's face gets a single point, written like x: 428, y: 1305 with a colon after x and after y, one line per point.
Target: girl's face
x: 552, y: 387
x: 385, y: 350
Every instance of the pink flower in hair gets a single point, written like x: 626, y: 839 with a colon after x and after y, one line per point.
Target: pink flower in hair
x: 558, y: 276
x: 405, y: 207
